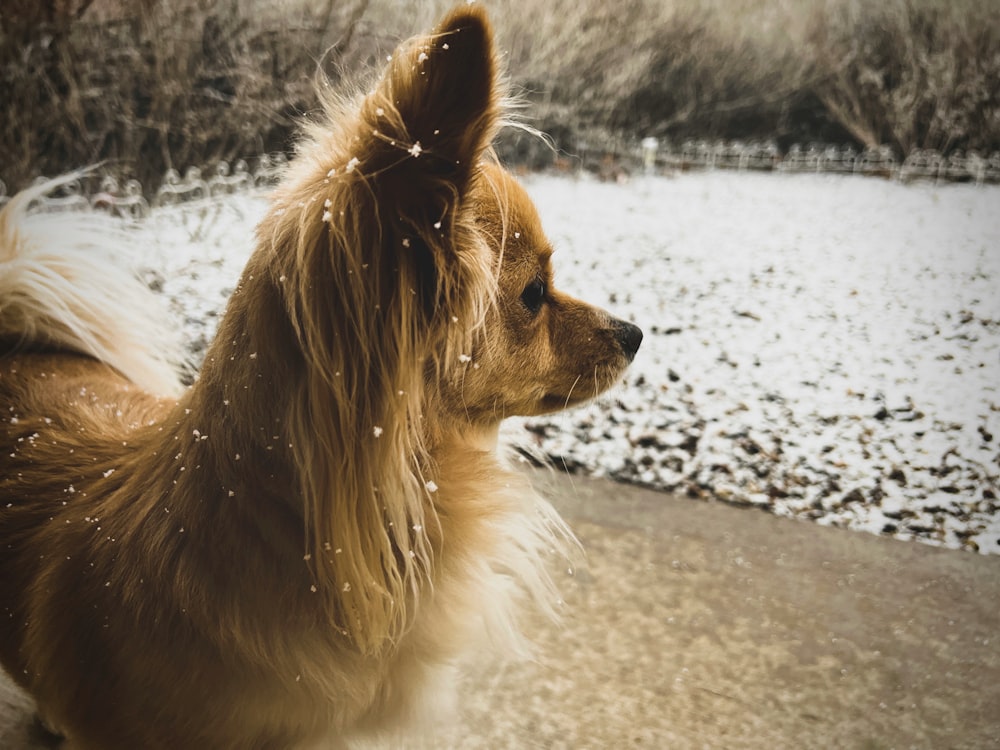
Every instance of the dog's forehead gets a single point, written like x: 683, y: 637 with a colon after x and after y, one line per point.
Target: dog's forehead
x: 505, y: 206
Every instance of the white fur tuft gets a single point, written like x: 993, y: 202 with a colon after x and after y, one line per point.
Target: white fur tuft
x: 62, y: 285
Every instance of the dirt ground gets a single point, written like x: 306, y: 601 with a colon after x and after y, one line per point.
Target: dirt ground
x: 700, y: 625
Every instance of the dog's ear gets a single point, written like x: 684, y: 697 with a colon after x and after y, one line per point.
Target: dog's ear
x: 433, y: 114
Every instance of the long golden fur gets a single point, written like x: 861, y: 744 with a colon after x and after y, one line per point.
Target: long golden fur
x: 292, y: 552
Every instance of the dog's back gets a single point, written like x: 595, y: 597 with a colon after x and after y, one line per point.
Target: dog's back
x: 81, y: 343
x: 80, y: 338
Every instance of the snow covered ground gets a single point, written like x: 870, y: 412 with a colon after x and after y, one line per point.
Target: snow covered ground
x: 820, y: 346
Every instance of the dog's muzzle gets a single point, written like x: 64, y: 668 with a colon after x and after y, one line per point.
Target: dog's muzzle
x: 628, y: 337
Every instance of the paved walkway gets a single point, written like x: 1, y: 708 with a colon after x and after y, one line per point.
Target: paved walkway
x: 699, y: 625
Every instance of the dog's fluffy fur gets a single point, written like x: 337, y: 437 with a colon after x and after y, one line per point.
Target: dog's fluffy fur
x: 292, y: 552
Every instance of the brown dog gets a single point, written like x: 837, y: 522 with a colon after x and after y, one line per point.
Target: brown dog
x: 292, y: 552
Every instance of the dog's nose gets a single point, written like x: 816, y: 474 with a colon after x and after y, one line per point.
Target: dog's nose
x: 628, y: 337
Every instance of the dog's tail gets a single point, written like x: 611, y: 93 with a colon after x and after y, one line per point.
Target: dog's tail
x: 63, y: 287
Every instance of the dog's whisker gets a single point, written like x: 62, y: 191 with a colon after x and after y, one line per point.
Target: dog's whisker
x: 569, y: 395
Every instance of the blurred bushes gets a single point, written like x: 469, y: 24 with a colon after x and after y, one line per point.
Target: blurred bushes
x: 148, y: 85
x: 145, y: 85
x: 906, y: 73
x: 911, y: 73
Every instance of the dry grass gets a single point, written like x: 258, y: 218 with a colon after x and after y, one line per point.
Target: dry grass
x: 156, y: 84
x: 911, y: 73
x: 146, y: 87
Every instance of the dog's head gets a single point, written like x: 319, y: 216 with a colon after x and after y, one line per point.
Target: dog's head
x: 417, y: 283
x: 539, y: 350
x: 436, y: 266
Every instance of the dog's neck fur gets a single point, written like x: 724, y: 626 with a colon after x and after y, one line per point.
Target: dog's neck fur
x: 237, y: 423
x: 241, y: 400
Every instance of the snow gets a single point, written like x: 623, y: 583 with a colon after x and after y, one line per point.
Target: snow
x: 820, y: 346
x: 825, y: 347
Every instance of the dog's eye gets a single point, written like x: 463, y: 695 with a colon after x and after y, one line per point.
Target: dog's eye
x: 533, y: 295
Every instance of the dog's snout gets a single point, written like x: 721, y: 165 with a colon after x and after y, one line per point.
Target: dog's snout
x: 628, y: 337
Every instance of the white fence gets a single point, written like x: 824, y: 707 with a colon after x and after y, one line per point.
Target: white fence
x: 127, y: 200
x: 882, y: 161
x: 649, y: 155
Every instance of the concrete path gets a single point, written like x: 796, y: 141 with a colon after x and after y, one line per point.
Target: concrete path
x: 700, y: 625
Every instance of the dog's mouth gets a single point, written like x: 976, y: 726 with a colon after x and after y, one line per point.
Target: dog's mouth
x: 554, y: 402
x: 585, y: 389
x: 557, y: 402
